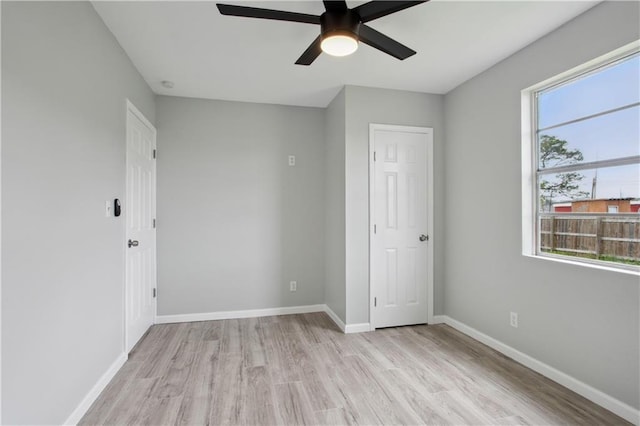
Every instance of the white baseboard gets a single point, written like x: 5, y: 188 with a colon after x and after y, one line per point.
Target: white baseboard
x: 93, y: 394
x: 335, y: 318
x: 347, y: 328
x: 618, y: 407
x: 252, y: 313
x: 357, y: 328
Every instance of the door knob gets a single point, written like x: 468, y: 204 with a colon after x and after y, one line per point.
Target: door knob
x: 133, y: 243
x: 424, y: 237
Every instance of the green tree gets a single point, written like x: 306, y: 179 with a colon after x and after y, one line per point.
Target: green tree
x: 555, y: 153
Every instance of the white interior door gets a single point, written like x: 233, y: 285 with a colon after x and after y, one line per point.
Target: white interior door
x: 140, y: 210
x: 401, y: 258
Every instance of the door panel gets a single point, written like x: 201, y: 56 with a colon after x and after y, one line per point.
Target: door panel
x: 391, y: 283
x: 140, y: 212
x: 399, y: 260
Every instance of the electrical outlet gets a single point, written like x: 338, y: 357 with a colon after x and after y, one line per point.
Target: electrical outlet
x: 293, y: 285
x: 292, y: 160
x: 513, y: 319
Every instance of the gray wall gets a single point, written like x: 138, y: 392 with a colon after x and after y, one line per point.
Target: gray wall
x: 235, y: 222
x: 368, y: 105
x: 579, y: 320
x: 334, y: 176
x: 65, y: 81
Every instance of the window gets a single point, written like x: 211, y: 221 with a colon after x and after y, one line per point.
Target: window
x: 581, y: 163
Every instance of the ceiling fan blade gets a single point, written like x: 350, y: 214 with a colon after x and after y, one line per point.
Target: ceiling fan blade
x: 335, y: 6
x: 381, y: 42
x: 312, y: 52
x: 278, y: 15
x: 378, y: 9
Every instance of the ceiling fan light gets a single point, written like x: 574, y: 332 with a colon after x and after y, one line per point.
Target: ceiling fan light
x: 339, y: 45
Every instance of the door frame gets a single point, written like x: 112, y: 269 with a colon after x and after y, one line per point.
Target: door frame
x: 430, y: 208
x: 132, y: 109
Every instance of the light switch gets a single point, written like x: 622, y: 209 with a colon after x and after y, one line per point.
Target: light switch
x: 107, y: 208
x: 292, y: 160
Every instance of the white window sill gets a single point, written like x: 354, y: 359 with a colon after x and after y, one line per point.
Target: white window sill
x: 627, y: 269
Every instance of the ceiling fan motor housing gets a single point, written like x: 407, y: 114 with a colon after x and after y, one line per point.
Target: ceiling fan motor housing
x: 340, y: 23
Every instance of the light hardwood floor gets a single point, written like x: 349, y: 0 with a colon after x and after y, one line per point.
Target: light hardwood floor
x: 300, y: 369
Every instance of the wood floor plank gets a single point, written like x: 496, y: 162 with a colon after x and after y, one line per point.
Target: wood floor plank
x: 413, y: 393
x: 334, y: 417
x: 258, y: 405
x: 513, y: 421
x: 302, y: 370
x: 374, y: 393
x: 294, y: 407
x: 132, y: 399
x: 456, y: 409
x: 231, y: 341
x: 314, y: 328
x: 174, y: 380
x: 155, y: 336
x: 572, y: 407
x: 312, y: 375
x: 226, y: 407
x: 279, y: 358
x: 212, y: 330
x: 253, y: 349
x: 198, y: 396
x: 316, y: 385
x: 159, y: 357
x: 157, y: 411
x: 384, y: 347
x: 108, y: 399
x: 341, y: 388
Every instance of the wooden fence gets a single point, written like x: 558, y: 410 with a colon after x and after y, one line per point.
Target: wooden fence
x: 587, y: 234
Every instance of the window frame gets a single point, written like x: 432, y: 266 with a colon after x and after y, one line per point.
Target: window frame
x: 529, y: 168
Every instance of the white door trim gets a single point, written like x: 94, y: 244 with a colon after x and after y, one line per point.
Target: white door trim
x: 131, y: 108
x: 430, y: 188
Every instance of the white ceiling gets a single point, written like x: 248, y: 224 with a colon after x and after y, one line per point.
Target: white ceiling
x: 208, y: 55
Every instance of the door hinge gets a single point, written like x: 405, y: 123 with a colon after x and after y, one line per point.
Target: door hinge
x: 155, y: 153
x: 374, y: 156
x: 375, y: 302
x: 154, y: 223
x: 154, y: 293
x: 375, y: 229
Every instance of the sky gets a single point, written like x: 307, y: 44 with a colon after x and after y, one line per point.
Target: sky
x: 608, y: 136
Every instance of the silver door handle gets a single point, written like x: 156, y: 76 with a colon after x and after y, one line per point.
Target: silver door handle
x: 133, y: 243
x: 424, y: 237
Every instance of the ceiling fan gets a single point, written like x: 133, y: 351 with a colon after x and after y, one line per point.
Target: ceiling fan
x: 340, y: 27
